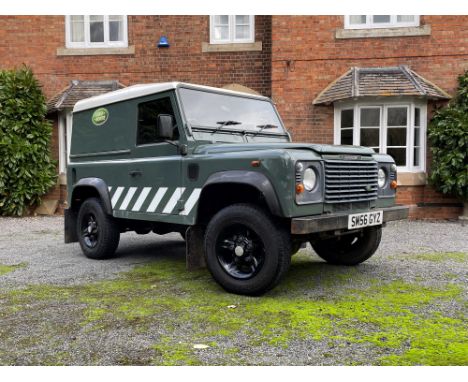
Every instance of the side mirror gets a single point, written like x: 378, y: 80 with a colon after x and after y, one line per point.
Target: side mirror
x: 165, y: 126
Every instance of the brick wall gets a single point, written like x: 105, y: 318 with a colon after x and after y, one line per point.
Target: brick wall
x: 426, y: 203
x: 33, y: 40
x: 306, y: 57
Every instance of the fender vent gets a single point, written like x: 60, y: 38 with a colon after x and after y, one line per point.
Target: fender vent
x: 192, y: 171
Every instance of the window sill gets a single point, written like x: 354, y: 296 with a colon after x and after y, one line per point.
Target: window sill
x: 412, y: 178
x: 423, y: 30
x: 95, y: 51
x: 235, y: 47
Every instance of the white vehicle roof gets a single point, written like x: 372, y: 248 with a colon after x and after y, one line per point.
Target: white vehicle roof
x: 136, y: 91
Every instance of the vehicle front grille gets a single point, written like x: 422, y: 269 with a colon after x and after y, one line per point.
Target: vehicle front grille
x: 350, y: 181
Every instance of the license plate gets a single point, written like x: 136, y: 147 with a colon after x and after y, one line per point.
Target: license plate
x: 365, y: 219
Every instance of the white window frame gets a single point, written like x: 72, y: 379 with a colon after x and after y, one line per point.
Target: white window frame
x: 411, y: 104
x: 232, y: 31
x: 65, y: 122
x: 369, y: 24
x: 87, y: 43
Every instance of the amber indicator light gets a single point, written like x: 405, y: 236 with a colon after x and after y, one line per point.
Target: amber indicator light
x: 255, y: 163
x: 299, y: 188
x: 393, y: 184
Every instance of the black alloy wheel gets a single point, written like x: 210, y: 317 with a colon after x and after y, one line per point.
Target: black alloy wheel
x: 240, y: 251
x: 90, y: 230
x: 98, y: 232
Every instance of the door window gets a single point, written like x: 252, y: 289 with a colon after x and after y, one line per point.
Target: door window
x: 148, y: 113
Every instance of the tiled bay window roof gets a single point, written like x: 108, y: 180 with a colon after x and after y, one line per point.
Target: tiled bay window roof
x: 78, y: 90
x: 379, y: 82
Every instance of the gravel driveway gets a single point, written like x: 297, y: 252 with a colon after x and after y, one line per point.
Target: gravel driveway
x: 58, y: 307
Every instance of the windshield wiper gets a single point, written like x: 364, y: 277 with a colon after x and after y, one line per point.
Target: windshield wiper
x: 225, y: 123
x: 263, y: 127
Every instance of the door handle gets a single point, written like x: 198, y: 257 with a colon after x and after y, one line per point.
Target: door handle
x: 135, y: 173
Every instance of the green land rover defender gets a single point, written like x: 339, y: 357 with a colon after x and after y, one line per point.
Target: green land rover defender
x: 219, y: 167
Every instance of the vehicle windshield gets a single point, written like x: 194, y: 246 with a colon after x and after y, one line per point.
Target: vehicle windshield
x: 225, y: 112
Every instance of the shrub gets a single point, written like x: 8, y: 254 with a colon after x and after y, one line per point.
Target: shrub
x: 448, y: 135
x: 26, y: 169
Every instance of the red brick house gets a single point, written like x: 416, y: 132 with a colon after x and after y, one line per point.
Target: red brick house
x: 369, y: 80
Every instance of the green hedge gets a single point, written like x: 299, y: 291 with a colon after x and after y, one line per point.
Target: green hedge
x: 26, y: 169
x: 448, y: 135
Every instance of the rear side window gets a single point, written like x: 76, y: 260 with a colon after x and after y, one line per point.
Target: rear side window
x: 147, y: 118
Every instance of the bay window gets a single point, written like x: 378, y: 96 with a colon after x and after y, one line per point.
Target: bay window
x: 395, y: 128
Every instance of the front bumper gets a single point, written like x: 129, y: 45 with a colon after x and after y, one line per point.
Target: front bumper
x: 322, y: 223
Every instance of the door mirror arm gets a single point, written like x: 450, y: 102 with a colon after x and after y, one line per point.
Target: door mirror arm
x: 183, y: 150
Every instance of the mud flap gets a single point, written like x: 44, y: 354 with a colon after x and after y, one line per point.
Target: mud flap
x: 195, y: 257
x: 70, y: 226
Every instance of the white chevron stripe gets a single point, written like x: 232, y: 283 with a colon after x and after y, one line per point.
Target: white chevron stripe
x: 128, y: 198
x: 141, y: 199
x: 157, y: 198
x: 191, y: 201
x: 173, y: 200
x: 116, y: 196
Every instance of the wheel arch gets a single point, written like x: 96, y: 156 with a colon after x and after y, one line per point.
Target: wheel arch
x: 236, y: 187
x: 91, y: 187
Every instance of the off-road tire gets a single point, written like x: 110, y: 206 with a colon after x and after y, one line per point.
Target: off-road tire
x: 347, y: 250
x: 275, y: 247
x: 108, y: 237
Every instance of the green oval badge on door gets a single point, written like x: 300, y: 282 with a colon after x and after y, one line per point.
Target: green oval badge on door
x: 100, y: 116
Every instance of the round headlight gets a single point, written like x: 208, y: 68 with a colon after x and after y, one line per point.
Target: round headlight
x: 382, y: 178
x: 309, y: 179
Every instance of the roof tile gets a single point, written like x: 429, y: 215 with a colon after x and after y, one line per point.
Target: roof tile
x: 78, y: 90
x: 379, y: 82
